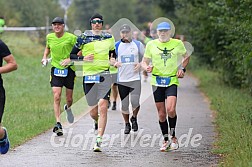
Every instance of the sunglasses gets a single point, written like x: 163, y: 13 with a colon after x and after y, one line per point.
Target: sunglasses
x: 96, y: 21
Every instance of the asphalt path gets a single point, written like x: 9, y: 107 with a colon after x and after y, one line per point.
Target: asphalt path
x: 195, y: 131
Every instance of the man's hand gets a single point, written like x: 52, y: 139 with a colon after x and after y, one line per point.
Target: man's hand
x: 89, y: 58
x: 137, y: 66
x: 180, y: 73
x: 65, y: 62
x: 149, y: 69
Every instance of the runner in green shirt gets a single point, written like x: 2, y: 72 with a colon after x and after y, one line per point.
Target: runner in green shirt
x: 98, y: 50
x: 164, y: 53
x: 59, y: 45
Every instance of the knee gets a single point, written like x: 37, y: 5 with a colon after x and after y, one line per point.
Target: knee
x: 162, y: 116
x: 125, y: 107
x: 93, y: 112
x: 57, y: 97
x: 135, y: 104
x: 171, y: 112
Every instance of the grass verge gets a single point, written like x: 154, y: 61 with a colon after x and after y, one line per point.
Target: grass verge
x: 233, y: 120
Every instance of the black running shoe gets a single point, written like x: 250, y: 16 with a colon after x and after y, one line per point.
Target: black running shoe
x: 127, y: 128
x: 114, y: 106
x: 134, y: 123
x: 58, y: 129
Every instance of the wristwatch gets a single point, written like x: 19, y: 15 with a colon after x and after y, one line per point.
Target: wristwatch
x: 183, y: 68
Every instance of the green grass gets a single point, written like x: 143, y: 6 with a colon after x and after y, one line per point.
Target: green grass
x: 29, y: 102
x: 233, y: 119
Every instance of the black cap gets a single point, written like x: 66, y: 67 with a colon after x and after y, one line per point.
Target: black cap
x: 58, y: 20
x: 97, y: 15
x: 125, y: 27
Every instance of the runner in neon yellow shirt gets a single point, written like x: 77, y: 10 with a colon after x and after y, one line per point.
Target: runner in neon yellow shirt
x: 98, y: 50
x: 59, y: 45
x: 164, y: 53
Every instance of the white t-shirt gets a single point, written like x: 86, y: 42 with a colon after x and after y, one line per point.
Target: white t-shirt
x: 128, y: 55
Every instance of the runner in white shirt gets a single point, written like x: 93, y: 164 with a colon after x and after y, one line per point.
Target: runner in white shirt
x: 129, y: 55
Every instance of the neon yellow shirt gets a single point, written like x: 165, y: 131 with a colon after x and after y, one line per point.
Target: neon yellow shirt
x: 60, y: 48
x: 100, y: 49
x: 165, y: 58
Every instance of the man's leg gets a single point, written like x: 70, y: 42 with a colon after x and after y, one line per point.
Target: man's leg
x: 102, y: 121
x: 124, y: 96
x: 135, y: 98
x: 2, y: 104
x: 56, y: 105
x: 69, y: 101
x: 114, y: 96
x: 172, y: 118
x: 4, y: 141
x: 56, y: 102
x: 93, y: 111
x: 103, y: 106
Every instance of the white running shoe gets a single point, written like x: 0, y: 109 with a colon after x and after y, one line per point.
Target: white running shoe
x: 174, y: 143
x: 97, y: 146
x: 165, y: 146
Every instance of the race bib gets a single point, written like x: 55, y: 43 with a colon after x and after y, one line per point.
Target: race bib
x: 127, y: 59
x: 92, y: 79
x: 60, y: 73
x: 163, y: 81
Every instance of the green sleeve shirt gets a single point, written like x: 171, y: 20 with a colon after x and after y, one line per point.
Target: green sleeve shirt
x: 60, y: 48
x: 165, y: 57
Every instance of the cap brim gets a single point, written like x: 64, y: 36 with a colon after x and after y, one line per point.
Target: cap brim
x: 57, y: 22
x: 163, y: 28
x: 125, y: 31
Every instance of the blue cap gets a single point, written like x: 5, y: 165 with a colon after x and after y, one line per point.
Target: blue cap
x: 163, y: 26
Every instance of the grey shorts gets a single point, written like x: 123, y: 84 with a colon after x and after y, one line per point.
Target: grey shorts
x: 129, y: 93
x: 96, y: 91
x: 114, y: 78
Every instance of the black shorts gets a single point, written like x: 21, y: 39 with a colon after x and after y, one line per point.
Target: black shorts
x: 67, y: 81
x: 2, y: 102
x: 161, y: 93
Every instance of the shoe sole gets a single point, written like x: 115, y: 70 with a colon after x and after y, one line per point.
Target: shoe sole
x: 97, y: 150
x: 59, y: 132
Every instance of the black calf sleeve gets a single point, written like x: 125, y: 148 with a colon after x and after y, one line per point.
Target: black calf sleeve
x: 172, y: 123
x: 164, y: 129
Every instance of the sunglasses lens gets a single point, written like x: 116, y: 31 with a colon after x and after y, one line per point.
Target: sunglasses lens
x: 97, y: 21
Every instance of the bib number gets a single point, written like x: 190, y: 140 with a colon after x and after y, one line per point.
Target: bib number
x: 92, y: 79
x: 163, y: 81
x: 60, y: 73
x: 127, y: 59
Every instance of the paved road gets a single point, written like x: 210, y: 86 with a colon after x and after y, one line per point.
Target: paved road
x: 194, y: 130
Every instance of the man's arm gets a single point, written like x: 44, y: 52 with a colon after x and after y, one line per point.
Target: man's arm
x: 46, y: 52
x: 145, y: 64
x: 76, y: 54
x: 112, y: 58
x: 10, y: 66
x: 182, y: 67
x: 185, y: 61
